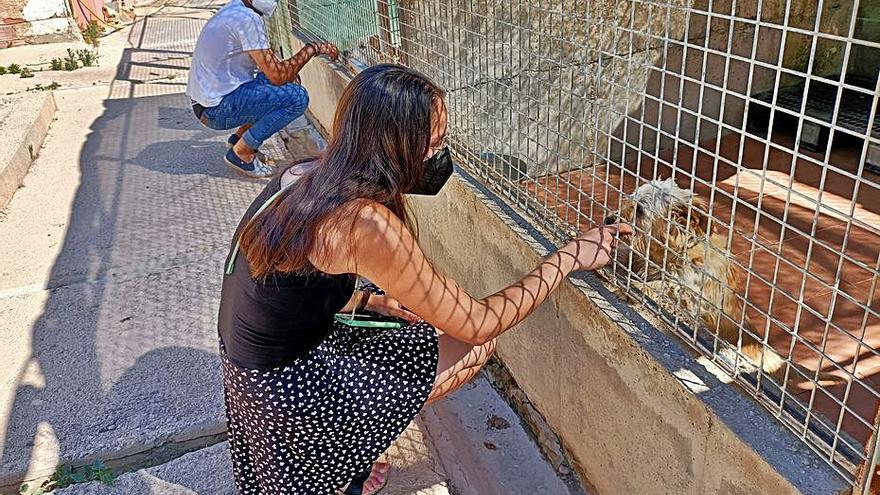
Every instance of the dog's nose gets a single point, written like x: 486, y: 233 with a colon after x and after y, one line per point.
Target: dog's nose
x: 610, y: 220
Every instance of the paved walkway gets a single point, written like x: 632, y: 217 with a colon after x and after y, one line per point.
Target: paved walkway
x: 109, y: 287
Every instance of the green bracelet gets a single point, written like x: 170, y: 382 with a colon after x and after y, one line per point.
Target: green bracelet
x: 346, y: 319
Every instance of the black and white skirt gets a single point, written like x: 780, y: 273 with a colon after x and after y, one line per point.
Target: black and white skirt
x: 309, y: 428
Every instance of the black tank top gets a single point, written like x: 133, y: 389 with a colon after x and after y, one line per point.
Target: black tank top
x: 271, y: 322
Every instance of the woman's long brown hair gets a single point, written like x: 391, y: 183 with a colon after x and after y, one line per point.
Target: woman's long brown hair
x: 381, y: 135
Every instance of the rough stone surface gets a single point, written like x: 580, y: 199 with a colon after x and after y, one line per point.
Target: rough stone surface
x: 130, y: 299
x: 204, y: 471
x: 535, y: 424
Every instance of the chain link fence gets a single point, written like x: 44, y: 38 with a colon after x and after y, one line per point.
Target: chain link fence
x: 740, y: 138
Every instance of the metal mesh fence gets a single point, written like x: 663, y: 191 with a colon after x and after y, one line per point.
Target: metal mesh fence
x: 762, y: 249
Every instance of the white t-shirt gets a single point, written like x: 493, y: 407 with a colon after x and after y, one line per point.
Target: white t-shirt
x: 220, y: 62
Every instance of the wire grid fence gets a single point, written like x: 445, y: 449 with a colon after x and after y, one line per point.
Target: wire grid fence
x: 764, y: 111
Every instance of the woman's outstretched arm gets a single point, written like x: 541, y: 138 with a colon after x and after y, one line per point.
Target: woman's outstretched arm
x: 379, y: 247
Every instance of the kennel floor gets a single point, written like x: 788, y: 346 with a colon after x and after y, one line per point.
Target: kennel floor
x: 807, y: 283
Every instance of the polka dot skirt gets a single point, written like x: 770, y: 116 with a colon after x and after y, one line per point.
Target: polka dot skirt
x: 309, y: 428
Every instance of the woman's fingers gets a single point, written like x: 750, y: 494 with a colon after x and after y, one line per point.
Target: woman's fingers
x: 405, y: 315
x: 621, y: 228
x: 388, y: 306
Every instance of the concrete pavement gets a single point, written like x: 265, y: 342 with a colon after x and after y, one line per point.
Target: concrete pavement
x: 109, y: 284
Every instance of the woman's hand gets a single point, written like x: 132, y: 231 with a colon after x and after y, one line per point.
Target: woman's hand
x: 388, y: 306
x: 592, y: 250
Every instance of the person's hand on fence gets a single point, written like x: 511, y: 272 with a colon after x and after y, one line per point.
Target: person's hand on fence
x: 328, y: 49
x: 592, y: 250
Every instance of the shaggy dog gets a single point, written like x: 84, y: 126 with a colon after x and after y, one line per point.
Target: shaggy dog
x: 673, y: 237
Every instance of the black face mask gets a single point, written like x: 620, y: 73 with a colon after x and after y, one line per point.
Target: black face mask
x: 438, y: 170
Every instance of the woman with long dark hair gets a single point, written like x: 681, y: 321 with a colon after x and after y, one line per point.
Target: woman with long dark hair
x: 313, y: 399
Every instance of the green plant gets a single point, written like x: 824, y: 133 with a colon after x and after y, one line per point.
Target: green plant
x: 70, y: 61
x: 56, y: 64
x: 48, y: 87
x: 66, y: 475
x: 92, y: 33
x: 87, y: 58
x: 2, y: 70
x: 25, y: 72
x: 14, y: 68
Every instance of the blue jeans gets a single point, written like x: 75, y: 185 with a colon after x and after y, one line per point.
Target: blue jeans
x: 267, y: 107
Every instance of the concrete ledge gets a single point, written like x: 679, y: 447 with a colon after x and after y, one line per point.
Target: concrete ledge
x: 633, y: 408
x: 485, y: 449
x: 25, y: 122
x: 189, y: 474
x: 325, y: 81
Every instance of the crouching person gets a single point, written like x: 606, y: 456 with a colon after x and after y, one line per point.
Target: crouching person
x: 237, y: 82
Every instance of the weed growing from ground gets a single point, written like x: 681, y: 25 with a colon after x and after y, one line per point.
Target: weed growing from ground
x: 74, y: 60
x: 70, y: 61
x: 92, y: 33
x: 87, y: 58
x: 48, y: 87
x: 66, y: 475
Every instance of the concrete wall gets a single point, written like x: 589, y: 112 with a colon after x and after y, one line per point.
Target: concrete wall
x: 634, y: 410
x: 36, y: 21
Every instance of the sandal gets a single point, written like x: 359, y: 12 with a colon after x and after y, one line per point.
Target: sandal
x: 356, y: 486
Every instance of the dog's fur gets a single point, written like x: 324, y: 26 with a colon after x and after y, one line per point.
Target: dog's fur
x: 682, y: 264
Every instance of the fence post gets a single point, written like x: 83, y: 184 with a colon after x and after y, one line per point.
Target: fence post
x: 386, y: 46
x: 279, y: 29
x: 868, y: 469
x: 406, y: 25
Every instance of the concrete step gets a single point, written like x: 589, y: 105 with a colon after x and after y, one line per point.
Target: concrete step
x: 471, y: 443
x: 24, y: 122
x: 209, y: 471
